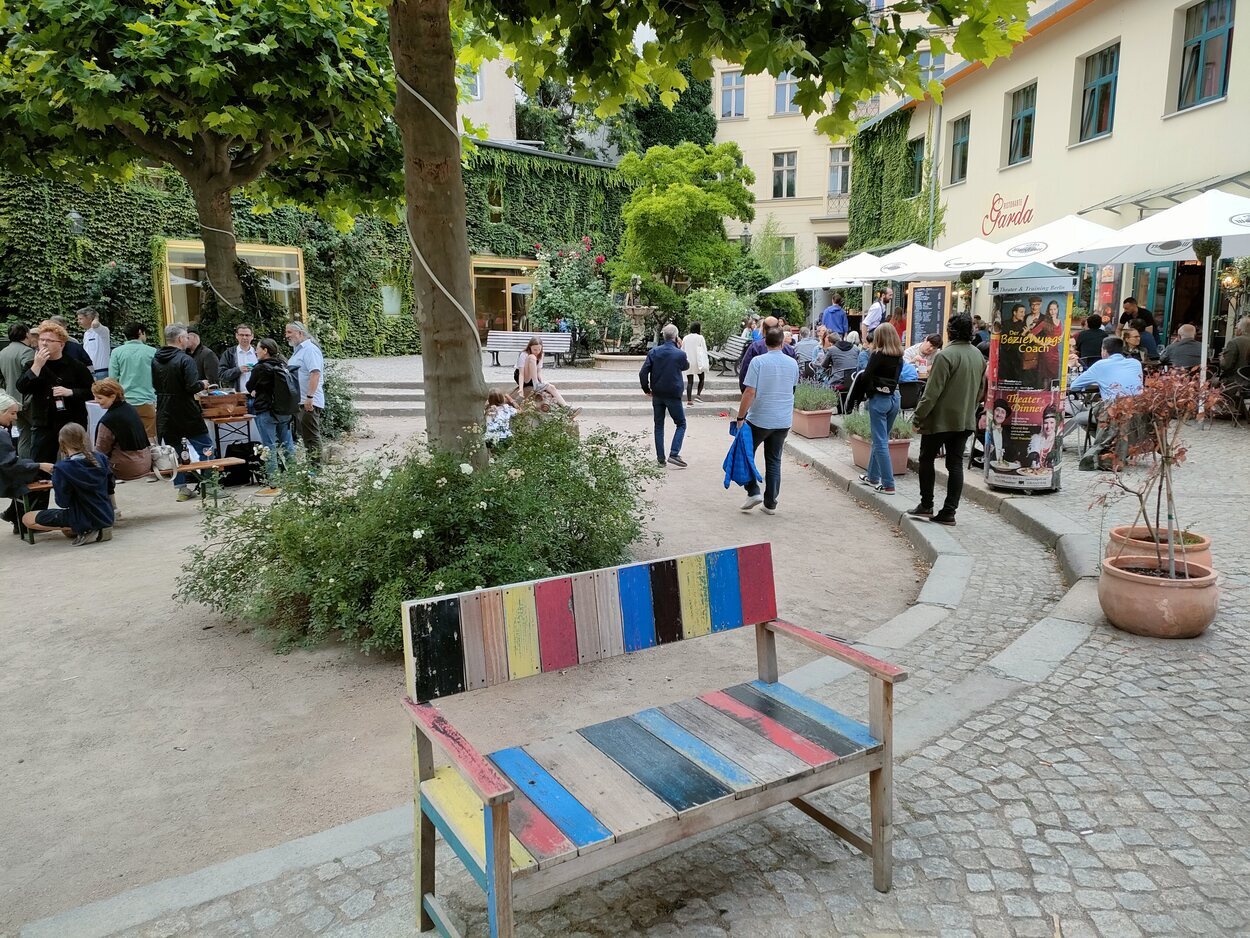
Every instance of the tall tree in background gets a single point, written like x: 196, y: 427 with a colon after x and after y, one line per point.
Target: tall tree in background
x: 689, y: 120
x: 290, y: 99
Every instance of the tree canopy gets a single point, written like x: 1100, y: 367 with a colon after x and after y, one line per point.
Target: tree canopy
x: 689, y: 120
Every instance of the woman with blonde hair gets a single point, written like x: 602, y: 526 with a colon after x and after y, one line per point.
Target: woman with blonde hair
x: 531, y: 377
x: 120, y: 434
x: 878, y: 382
x: 80, y: 482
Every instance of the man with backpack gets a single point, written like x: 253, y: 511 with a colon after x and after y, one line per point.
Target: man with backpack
x: 275, y: 398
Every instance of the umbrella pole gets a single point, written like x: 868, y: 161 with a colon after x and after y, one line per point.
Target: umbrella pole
x: 1206, y: 339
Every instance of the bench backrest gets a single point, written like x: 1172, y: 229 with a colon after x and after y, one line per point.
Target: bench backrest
x: 734, y: 346
x: 472, y: 640
x: 515, y: 341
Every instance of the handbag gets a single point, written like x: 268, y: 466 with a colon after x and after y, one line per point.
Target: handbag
x: 164, y: 459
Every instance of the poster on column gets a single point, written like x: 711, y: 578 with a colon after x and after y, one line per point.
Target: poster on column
x: 1027, y: 380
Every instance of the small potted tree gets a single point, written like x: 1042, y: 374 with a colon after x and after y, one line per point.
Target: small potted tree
x: 1154, y: 581
x: 858, y: 430
x: 813, y: 406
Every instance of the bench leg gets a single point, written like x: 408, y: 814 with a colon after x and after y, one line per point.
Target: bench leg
x: 498, y: 872
x: 422, y: 830
x: 881, y: 782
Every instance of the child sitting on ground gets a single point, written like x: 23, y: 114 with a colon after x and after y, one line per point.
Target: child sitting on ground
x: 499, y: 413
x: 80, y: 481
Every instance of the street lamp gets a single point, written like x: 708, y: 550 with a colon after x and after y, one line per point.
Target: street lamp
x: 746, y: 238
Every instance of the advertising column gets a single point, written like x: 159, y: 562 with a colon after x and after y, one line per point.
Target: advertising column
x: 1027, y: 378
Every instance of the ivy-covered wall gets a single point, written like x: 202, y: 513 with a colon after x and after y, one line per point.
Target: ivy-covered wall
x: 47, y: 268
x: 883, y: 210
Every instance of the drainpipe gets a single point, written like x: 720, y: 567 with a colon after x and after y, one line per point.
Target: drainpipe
x: 934, y: 165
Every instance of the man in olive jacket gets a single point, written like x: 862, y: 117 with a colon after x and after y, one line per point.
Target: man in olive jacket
x: 946, y: 415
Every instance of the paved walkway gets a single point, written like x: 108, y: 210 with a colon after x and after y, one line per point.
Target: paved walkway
x: 1055, y: 776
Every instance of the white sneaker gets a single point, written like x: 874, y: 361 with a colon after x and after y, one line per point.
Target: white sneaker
x: 752, y: 502
x: 768, y: 511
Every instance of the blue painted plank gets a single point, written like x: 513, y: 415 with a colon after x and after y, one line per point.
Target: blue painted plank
x: 492, y: 886
x: 851, y: 729
x: 551, y: 798
x: 449, y: 835
x: 677, y: 781
x: 817, y: 731
x: 637, y: 617
x: 695, y: 749
x: 723, y: 590
x: 435, y: 911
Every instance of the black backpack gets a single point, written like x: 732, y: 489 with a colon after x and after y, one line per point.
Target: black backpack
x: 252, y: 472
x: 285, y: 392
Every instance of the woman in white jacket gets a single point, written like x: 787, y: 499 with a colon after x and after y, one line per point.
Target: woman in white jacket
x: 695, y: 347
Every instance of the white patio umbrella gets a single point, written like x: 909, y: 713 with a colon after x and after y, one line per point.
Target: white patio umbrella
x: 956, y: 259
x: 1046, y: 243
x: 1170, y: 235
x: 898, y: 265
x: 862, y: 268
x: 809, y: 278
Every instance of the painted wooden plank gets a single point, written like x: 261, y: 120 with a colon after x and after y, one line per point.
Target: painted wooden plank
x: 552, y: 799
x: 439, y: 917
x: 608, y: 602
x: 851, y: 729
x: 557, y: 632
x: 498, y: 873
x: 443, y: 826
x: 438, y: 652
x: 726, y: 771
x: 836, y: 649
x: 462, y: 809
x: 637, y: 616
x: 586, y: 618
x: 724, y: 590
x: 483, y: 777
x: 494, y: 637
x: 410, y: 665
x: 663, y: 771
x: 776, y: 733
x: 536, y: 832
x: 521, y: 630
x: 625, y: 807
x: 666, y: 602
x: 770, y: 764
x: 755, y: 578
x: 474, y: 649
x: 800, y: 723
x: 696, y: 612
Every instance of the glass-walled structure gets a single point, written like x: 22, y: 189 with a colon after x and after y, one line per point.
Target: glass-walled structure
x: 502, y: 290
x: 283, y: 267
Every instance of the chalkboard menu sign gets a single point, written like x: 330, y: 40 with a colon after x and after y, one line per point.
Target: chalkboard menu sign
x: 928, y: 306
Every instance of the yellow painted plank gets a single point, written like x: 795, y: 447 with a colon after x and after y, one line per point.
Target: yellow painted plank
x: 696, y: 608
x: 456, y: 802
x: 521, y: 618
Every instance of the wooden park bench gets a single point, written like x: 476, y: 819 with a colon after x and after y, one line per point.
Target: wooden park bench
x: 556, y: 344
x: 530, y: 818
x: 205, y: 472
x: 726, y: 358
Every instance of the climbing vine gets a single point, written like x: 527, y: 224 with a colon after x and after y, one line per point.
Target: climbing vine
x: 883, y: 210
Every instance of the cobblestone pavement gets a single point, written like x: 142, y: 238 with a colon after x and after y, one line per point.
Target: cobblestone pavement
x: 1106, y: 800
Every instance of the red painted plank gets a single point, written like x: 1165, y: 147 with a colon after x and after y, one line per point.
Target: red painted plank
x: 477, y: 770
x: 831, y: 646
x: 770, y: 729
x: 755, y: 580
x: 536, y: 832
x: 557, y: 630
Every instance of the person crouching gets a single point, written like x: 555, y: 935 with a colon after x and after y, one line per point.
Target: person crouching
x: 80, y: 482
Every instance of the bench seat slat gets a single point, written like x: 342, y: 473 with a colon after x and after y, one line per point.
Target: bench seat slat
x: 771, y: 764
x: 776, y: 733
x: 851, y: 729
x: 720, y: 767
x: 553, y: 799
x: 537, y: 834
x: 625, y: 807
x: 795, y: 720
x: 666, y: 773
x: 462, y: 810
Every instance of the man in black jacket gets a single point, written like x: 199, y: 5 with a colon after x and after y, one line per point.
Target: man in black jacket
x: 663, y: 379
x: 205, y: 361
x: 59, y: 388
x: 238, y: 361
x: 178, y: 415
x: 1089, y: 341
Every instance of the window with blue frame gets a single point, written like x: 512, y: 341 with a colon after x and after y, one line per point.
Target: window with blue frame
x: 1206, y: 53
x: 931, y: 66
x: 787, y: 85
x: 1098, y: 97
x: 961, y: 130
x: 1023, y: 114
x: 916, y: 152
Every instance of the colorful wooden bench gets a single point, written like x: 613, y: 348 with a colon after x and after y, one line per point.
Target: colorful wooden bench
x: 530, y: 818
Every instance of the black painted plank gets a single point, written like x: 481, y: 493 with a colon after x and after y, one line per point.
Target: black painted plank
x: 666, y: 601
x: 664, y: 771
x: 801, y: 723
x: 437, y: 648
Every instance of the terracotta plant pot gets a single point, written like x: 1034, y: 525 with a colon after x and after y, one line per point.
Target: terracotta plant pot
x: 861, y: 449
x: 812, y: 424
x: 1156, y: 606
x: 1127, y: 541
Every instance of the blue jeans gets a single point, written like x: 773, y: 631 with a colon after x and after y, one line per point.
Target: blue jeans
x: 203, y: 445
x: 774, y: 442
x: 671, y: 406
x: 882, y: 409
x: 274, y: 427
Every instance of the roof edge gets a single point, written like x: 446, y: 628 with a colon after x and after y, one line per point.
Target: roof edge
x: 545, y: 154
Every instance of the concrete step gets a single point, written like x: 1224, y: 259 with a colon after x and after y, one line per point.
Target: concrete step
x: 598, y: 409
x: 630, y: 382
x: 581, y: 395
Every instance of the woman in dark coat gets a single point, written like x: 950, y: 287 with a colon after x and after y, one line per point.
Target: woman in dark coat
x: 15, y: 471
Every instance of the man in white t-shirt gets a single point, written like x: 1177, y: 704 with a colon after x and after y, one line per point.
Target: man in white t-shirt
x: 309, y: 366
x: 238, y: 361
x: 878, y: 312
x: 95, y: 341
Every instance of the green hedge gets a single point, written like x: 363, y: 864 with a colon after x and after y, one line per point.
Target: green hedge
x: 883, y: 210
x: 46, y: 268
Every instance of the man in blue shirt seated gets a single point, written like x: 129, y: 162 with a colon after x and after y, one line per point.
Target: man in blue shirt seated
x: 834, y: 317
x: 1115, y: 376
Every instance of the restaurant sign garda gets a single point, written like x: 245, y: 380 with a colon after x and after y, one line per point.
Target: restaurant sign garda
x: 1006, y: 213
x: 1027, y: 379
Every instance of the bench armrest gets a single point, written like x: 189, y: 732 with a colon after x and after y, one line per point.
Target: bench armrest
x: 890, y: 673
x: 478, y: 771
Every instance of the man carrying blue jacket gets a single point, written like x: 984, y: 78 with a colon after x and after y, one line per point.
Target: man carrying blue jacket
x: 663, y: 378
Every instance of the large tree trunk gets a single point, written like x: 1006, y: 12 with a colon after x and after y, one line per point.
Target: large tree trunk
x: 212, y: 204
x: 455, y: 391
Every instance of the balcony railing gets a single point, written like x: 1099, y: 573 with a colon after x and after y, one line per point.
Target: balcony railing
x: 837, y: 204
x: 869, y: 108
